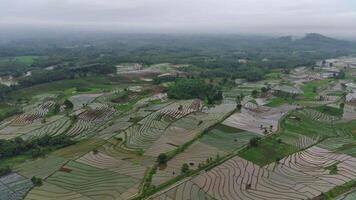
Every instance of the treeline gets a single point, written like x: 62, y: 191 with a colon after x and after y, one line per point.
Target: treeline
x: 194, y: 88
x: 45, y: 76
x: 35, y: 147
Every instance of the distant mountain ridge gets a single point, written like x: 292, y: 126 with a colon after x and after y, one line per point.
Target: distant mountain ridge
x: 313, y: 41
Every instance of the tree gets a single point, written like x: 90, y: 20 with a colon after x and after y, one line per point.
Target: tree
x: 254, y: 93
x: 342, y: 105
x: 162, y: 158
x: 36, y: 181
x: 254, y: 141
x: 185, y: 168
x: 68, y: 104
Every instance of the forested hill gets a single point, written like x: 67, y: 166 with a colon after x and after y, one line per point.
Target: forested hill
x: 314, y: 41
x: 212, y: 55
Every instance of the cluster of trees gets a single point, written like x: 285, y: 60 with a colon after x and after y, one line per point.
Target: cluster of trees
x: 35, y: 147
x: 194, y: 88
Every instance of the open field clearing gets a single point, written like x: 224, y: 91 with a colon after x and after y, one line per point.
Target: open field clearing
x: 92, y: 182
x: 14, y: 187
x: 258, y: 121
x: 41, y: 167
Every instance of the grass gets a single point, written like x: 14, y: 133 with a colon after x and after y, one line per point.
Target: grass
x: 226, y: 138
x: 330, y: 110
x: 26, y: 60
x: 10, y: 162
x: 310, y: 89
x: 67, y: 87
x: 273, y: 75
x: 338, y: 190
x: 268, y: 150
x: 7, y: 110
x: 332, y: 168
x: 278, y: 101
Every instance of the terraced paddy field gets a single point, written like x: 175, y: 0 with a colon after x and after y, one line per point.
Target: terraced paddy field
x: 316, y: 126
x: 52, y: 192
x: 253, y: 120
x: 299, y: 176
x: 227, y: 138
x: 91, y: 181
x: 14, y: 186
x: 196, y: 154
x: 41, y: 167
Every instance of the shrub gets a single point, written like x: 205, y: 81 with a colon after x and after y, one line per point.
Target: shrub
x: 5, y: 170
x: 254, y: 141
x: 36, y: 181
x: 162, y: 158
x: 185, y: 168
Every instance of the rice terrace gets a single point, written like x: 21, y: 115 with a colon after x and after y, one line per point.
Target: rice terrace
x: 91, y: 115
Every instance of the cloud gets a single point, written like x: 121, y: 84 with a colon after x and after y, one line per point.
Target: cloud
x: 231, y: 16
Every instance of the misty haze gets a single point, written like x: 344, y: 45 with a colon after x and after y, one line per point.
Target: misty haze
x: 177, y: 100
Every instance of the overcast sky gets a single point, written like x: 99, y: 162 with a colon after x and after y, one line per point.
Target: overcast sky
x: 332, y: 17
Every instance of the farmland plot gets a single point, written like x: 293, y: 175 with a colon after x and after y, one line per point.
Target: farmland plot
x: 188, y: 127
x: 13, y: 186
x: 82, y: 99
x: 252, y: 121
x: 92, y: 182
x: 196, y: 154
x: 303, y: 175
x: 151, y: 128
x: 56, y: 125
x: 90, y: 121
x: 52, y: 192
x: 41, y: 167
x: 103, y: 161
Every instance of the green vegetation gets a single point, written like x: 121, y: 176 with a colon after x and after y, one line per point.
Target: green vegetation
x: 7, y: 110
x: 5, y: 170
x: 162, y: 158
x: 332, y: 168
x: 226, y: 138
x: 194, y: 88
x: 278, y: 101
x: 310, y: 89
x: 26, y: 60
x: 266, y: 151
x: 338, y: 190
x: 18, y: 150
x: 36, y: 181
x: 330, y: 110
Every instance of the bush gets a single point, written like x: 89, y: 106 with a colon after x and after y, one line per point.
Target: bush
x: 68, y: 104
x: 162, y: 158
x: 36, y: 181
x: 194, y: 88
x: 5, y: 170
x: 254, y: 141
x: 185, y: 168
